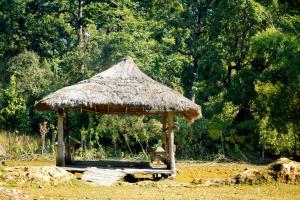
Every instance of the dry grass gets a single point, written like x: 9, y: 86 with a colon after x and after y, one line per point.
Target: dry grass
x: 210, y: 170
x: 190, y: 170
x: 36, y: 162
x: 86, y: 191
x: 16, y: 143
x: 3, y: 139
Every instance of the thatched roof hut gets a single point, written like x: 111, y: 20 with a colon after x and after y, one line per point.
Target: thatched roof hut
x: 122, y: 89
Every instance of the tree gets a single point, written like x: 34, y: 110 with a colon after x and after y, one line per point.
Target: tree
x: 13, y: 109
x: 44, y: 129
x: 278, y: 90
x: 237, y: 59
x: 33, y: 74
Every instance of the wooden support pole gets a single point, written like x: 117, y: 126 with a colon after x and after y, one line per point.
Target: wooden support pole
x: 66, y: 127
x: 170, y: 117
x: 60, y: 154
x: 68, y: 147
x: 164, y: 133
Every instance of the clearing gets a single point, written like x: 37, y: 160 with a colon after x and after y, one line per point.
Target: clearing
x: 166, y: 189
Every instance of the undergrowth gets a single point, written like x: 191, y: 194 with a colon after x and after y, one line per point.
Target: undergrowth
x: 20, y: 146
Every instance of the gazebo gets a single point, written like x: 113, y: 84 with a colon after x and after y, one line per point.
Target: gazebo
x: 122, y: 89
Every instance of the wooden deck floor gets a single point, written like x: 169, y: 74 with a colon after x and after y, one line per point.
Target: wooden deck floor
x: 127, y: 167
x: 109, y: 172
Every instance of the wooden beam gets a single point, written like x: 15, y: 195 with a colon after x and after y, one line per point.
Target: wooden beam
x: 60, y: 154
x: 118, y: 112
x: 170, y: 118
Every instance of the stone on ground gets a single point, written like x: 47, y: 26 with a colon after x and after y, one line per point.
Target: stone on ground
x: 252, y: 176
x: 215, y: 182
x: 7, y: 194
x: 285, y: 170
x: 35, y: 175
x: 197, y: 181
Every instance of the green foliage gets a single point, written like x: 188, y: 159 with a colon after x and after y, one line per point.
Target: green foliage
x: 127, y: 133
x: 13, y: 110
x: 239, y: 59
x: 279, y: 142
x: 32, y: 74
x: 277, y: 102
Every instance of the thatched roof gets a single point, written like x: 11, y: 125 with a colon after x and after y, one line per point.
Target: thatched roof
x: 121, y: 89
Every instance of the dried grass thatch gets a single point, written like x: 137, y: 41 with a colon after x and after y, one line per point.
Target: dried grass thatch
x: 122, y: 89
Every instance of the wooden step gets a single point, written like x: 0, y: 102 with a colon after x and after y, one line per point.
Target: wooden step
x: 104, y: 177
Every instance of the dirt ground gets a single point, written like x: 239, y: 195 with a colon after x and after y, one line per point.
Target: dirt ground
x: 85, y: 191
x: 190, y: 170
x: 176, y: 190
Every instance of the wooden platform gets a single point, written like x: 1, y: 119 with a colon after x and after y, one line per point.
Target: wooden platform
x: 126, y: 166
x: 108, y: 164
x: 81, y: 166
x: 126, y: 170
x: 109, y: 172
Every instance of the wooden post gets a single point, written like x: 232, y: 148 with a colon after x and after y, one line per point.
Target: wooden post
x: 66, y: 127
x: 68, y: 147
x: 164, y: 133
x: 60, y: 154
x: 170, y: 117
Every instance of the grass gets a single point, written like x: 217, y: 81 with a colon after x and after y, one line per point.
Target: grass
x: 87, y: 191
x: 19, y: 146
x: 36, y: 162
x: 211, y: 170
x: 190, y: 170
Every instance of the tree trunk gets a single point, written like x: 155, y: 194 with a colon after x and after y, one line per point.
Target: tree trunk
x: 79, y: 23
x: 222, y: 141
x: 115, y: 147
x: 83, y: 143
x: 191, y: 93
x: 262, y: 152
x: 295, y: 143
x: 144, y: 152
x: 53, y: 141
x: 131, y: 154
x: 43, y: 143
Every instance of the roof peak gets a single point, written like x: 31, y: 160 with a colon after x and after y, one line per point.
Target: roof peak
x: 125, y: 69
x: 127, y: 58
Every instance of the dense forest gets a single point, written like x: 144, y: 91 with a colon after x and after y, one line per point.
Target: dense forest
x: 238, y: 59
